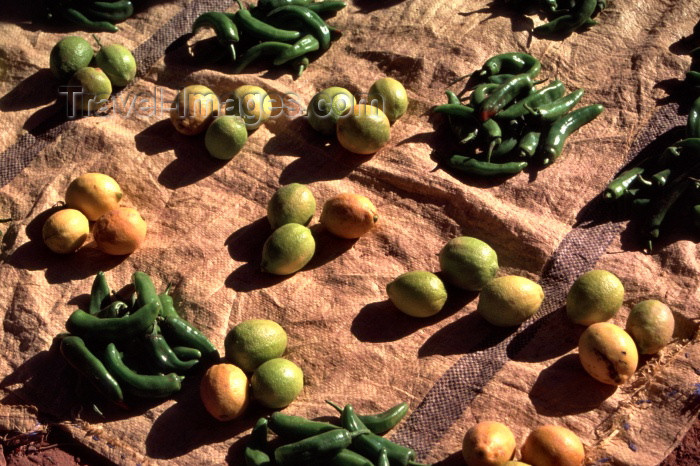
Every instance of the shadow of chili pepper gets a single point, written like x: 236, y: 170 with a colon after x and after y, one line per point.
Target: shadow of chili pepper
x: 368, y: 6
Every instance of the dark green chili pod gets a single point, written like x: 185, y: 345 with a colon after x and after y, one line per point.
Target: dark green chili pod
x: 382, y: 422
x: 505, y: 94
x: 306, y: 44
x: 162, y: 354
x: 224, y: 27
x: 114, y: 12
x: 528, y: 143
x: 81, y: 358
x: 505, y: 147
x: 326, y: 7
x: 145, y: 290
x: 542, y: 96
x: 180, y: 332
x: 114, y: 309
x: 167, y: 306
x: 578, y: 16
x: 456, y: 110
x: 662, y: 205
x: 383, y: 458
x: 76, y: 17
x: 557, y: 108
x: 99, y: 294
x: 661, y: 177
x: 255, y: 452
x: 480, y: 93
x: 512, y: 63
x: 473, y: 166
x: 268, y: 5
x: 493, y: 135
x: 113, y: 329
x: 261, y: 30
x: 186, y: 353
x: 261, y: 49
x: 347, y: 457
x: 563, y: 127
x: 618, y: 187
x: 313, y: 450
x: 147, y: 386
x: 308, y: 18
x: 297, y: 428
x: 692, y: 78
x: 693, y: 126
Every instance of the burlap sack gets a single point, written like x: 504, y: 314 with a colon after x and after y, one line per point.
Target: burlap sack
x: 206, y: 228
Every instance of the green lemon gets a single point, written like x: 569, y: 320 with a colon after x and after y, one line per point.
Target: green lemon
x: 510, y: 300
x: 390, y: 96
x: 364, y: 130
x: 292, y: 203
x: 418, y: 293
x: 276, y: 383
x: 468, y: 263
x: 118, y: 63
x: 594, y: 297
x: 225, y: 137
x: 288, y: 249
x: 254, y: 341
x: 69, y: 55
x: 96, y: 88
x: 327, y: 106
x: 650, y: 324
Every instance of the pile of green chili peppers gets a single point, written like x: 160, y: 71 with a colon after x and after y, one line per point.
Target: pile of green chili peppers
x: 663, y: 183
x: 355, y: 441
x: 287, y: 31
x: 91, y: 15
x: 565, y: 16
x: 120, y: 349
x: 508, y: 123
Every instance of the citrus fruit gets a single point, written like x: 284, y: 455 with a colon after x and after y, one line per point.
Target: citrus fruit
x: 288, y: 249
x: 327, y: 106
x: 468, y: 263
x: 510, y: 300
x: 488, y: 443
x: 553, y: 446
x: 651, y: 325
x: 193, y: 108
x: 254, y: 341
x: 94, y: 194
x: 118, y: 63
x: 252, y: 104
x: 594, y: 297
x: 390, y: 96
x: 608, y: 353
x: 276, y: 383
x: 95, y: 89
x: 349, y: 215
x: 292, y: 203
x: 65, y: 231
x: 120, y: 231
x: 364, y: 130
x: 418, y: 293
x: 225, y: 137
x: 224, y: 391
x: 69, y: 55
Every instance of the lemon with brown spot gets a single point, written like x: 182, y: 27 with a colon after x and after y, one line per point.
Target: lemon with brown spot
x: 120, y: 231
x: 193, y: 109
x: 608, y: 353
x: 224, y: 391
x: 488, y: 443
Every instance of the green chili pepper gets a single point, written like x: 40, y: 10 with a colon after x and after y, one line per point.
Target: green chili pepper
x: 296, y: 427
x: 327, y: 7
x: 563, y: 127
x: 618, y: 187
x: 167, y: 307
x: 473, y: 166
x: 513, y: 63
x: 256, y: 51
x: 499, y: 78
x: 661, y: 177
x: 114, y: 12
x: 480, y: 93
x: 505, y: 147
x: 163, y: 355
x: 267, y: 5
x: 145, y: 291
x: 693, y: 126
x: 557, y: 108
x: 308, y: 18
x: 662, y: 205
x: 179, y: 331
x: 456, y: 110
x: 528, y: 143
x: 689, y: 144
x: 543, y: 96
x: 81, y: 358
x: 464, y: 129
x: 99, y: 294
x: 260, y: 29
x: 382, y: 422
x: 300, y: 64
x: 347, y: 457
x: 224, y: 27
x: 313, y: 450
x: 147, y: 386
x: 383, y: 458
x: 76, y: 17
x: 186, y: 353
x: 493, y: 135
x: 255, y: 452
x: 113, y: 310
x: 112, y: 329
x: 578, y: 16
x: 505, y: 94
x: 305, y: 45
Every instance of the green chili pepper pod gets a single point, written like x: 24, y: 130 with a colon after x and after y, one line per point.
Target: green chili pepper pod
x: 224, y: 27
x: 618, y: 187
x: 476, y: 167
x: 661, y: 177
x: 297, y: 428
x: 258, y: 29
x: 664, y: 203
x: 480, y: 93
x: 557, y: 108
x: 255, y: 452
x: 163, y: 355
x: 259, y: 50
x: 180, y: 332
x: 382, y: 422
x: 268, y: 5
x: 145, y: 290
x: 315, y: 24
x: 505, y: 94
x: 113, y: 329
x: 113, y: 12
x: 513, y: 63
x: 167, y: 306
x: 456, y: 110
x: 313, y: 450
x: 493, y: 136
x: 523, y: 107
x: 114, y: 309
x: 327, y: 7
x: 563, y: 127
x: 305, y: 45
x: 147, y: 386
x: 528, y: 143
x: 76, y: 17
x: 691, y: 145
x: 99, y: 294
x: 693, y: 126
x: 186, y: 353
x: 578, y: 16
x: 81, y: 358
x: 346, y: 457
x: 505, y: 147
x: 299, y: 64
